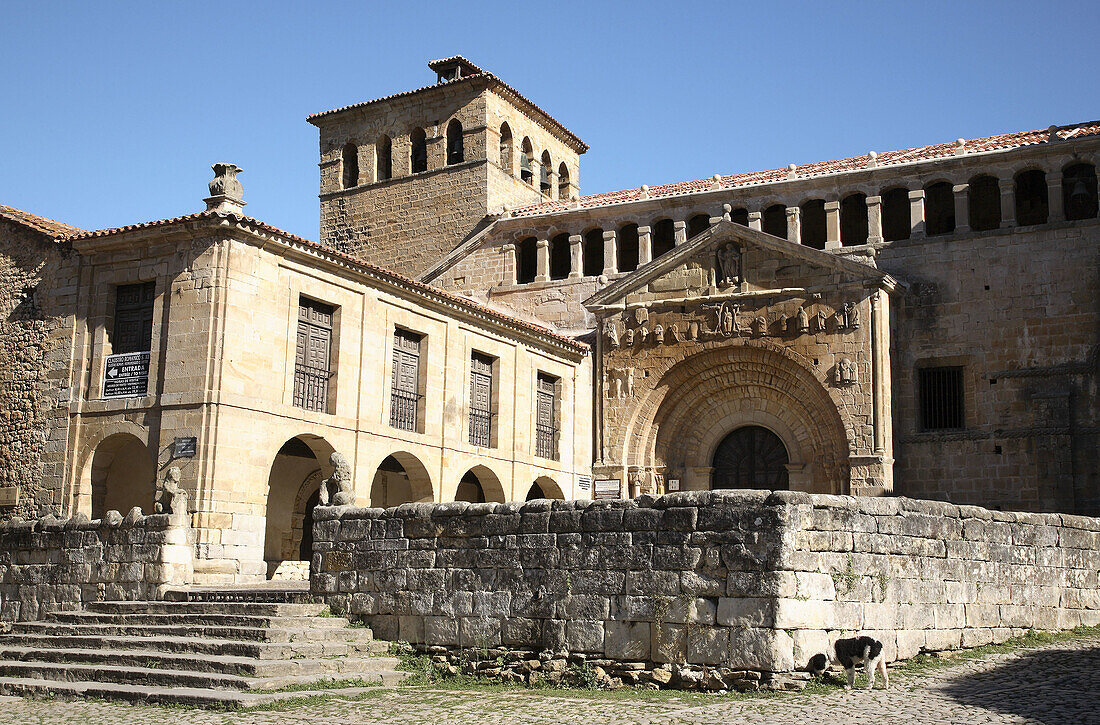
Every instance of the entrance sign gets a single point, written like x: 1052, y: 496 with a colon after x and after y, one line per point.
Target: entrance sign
x: 185, y: 447
x: 608, y: 488
x: 126, y: 375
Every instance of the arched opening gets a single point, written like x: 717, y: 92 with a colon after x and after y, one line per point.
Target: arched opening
x: 544, y: 487
x: 544, y: 173
x: 349, y: 157
x: 939, y: 209
x: 527, y: 260
x: 628, y: 248
x: 559, y: 257
x: 664, y: 237
x: 896, y: 220
x: 740, y: 216
x: 293, y: 489
x: 593, y: 253
x: 813, y: 223
x: 750, y: 457
x: 697, y: 225
x: 1031, y: 198
x: 774, y: 221
x: 123, y: 476
x: 506, y: 148
x: 400, y: 478
x: 479, y: 485
x: 563, y: 181
x: 527, y: 161
x: 1079, y: 192
x: 418, y: 153
x: 456, y: 149
x: 853, y: 219
x: 984, y: 196
x: 383, y: 158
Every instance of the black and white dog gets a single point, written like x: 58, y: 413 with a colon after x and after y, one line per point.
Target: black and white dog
x: 854, y: 651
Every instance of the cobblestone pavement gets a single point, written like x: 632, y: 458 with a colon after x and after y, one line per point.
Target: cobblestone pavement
x: 1053, y: 685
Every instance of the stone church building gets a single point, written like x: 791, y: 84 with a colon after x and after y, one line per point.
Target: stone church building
x: 469, y: 327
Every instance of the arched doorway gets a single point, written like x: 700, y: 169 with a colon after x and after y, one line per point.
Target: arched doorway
x: 750, y: 457
x: 469, y: 489
x: 123, y: 475
x: 293, y: 489
x: 544, y: 487
x: 479, y: 485
x: 400, y: 478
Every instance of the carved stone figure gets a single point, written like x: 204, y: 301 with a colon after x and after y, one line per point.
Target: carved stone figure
x: 629, y: 338
x: 611, y: 332
x: 629, y: 382
x: 759, y: 326
x: 782, y: 324
x: 674, y: 330
x: 729, y: 265
x: 170, y: 497
x: 336, y: 489
x: 641, y: 315
x: 846, y: 372
x: 726, y: 323
x: 693, y: 330
x: 643, y: 333
x: 614, y: 384
x: 226, y: 192
x: 819, y: 323
x: 851, y: 316
x: 659, y: 334
x: 803, y: 320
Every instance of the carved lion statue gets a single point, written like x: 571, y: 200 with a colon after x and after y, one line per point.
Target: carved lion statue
x: 170, y: 497
x: 336, y: 489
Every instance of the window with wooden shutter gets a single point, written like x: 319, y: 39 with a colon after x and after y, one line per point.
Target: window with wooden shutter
x: 546, y: 421
x: 133, y: 329
x: 481, y: 400
x: 405, y: 382
x: 313, y: 355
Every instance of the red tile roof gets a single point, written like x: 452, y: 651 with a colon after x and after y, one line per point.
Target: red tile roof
x: 350, y: 260
x: 804, y: 171
x: 50, y: 227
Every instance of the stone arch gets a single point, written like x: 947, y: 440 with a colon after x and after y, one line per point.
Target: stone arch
x: 505, y: 148
x: 544, y: 487
x: 456, y: 147
x: 298, y: 467
x: 121, y: 474
x: 546, y: 167
x: 401, y: 478
x: 487, y: 483
x: 699, y: 400
x: 349, y: 165
x: 1079, y: 197
x: 563, y: 181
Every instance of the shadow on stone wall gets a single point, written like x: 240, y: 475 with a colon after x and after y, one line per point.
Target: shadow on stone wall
x: 1052, y: 685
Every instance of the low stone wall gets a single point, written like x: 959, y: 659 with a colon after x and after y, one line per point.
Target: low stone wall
x: 702, y: 585
x: 55, y: 564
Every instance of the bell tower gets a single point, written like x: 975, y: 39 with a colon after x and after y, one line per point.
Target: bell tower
x: 408, y: 177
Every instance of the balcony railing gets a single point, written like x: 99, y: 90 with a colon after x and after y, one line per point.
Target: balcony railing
x: 403, y: 408
x: 546, y: 442
x: 481, y: 427
x: 311, y: 387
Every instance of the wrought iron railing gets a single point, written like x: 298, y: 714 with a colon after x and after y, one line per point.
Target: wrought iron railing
x: 403, y: 407
x: 311, y: 387
x: 481, y: 427
x: 546, y: 442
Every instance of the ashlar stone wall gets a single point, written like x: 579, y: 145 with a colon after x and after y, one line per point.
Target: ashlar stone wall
x: 736, y: 581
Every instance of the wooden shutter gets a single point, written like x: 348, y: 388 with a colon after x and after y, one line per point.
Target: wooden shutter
x: 405, y: 381
x: 546, y: 432
x: 313, y: 355
x: 133, y: 318
x: 481, y: 400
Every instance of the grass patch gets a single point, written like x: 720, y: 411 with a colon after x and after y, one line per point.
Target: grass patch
x: 325, y: 683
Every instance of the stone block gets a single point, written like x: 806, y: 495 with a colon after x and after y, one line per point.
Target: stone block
x: 479, y: 632
x: 441, y: 631
x: 411, y: 629
x: 746, y: 612
x: 708, y: 645
x: 585, y: 636
x: 629, y: 641
x: 520, y: 631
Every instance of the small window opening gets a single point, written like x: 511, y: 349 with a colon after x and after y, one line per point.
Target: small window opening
x: 939, y: 209
x: 383, y: 158
x: 418, y: 156
x: 593, y: 253
x: 853, y: 219
x: 350, y: 158
x: 697, y: 225
x: 456, y: 152
x: 813, y: 223
x: 896, y: 220
x: 941, y: 398
x: 1031, y: 198
x: 628, y: 248
x: 563, y: 181
x: 774, y: 221
x: 527, y: 260
x: 559, y: 257
x: 984, y: 196
x: 664, y: 237
x: 544, y: 174
x: 1079, y: 192
x: 740, y: 216
x: 506, y: 148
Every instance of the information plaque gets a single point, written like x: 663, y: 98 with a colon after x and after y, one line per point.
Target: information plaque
x: 608, y: 488
x: 126, y: 375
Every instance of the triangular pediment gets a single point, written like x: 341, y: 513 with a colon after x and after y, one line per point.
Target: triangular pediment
x: 732, y: 260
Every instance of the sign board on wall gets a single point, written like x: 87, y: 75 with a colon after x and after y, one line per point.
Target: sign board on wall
x: 673, y: 484
x: 126, y: 375
x: 608, y: 488
x: 185, y: 447
x: 9, y: 496
x: 584, y: 484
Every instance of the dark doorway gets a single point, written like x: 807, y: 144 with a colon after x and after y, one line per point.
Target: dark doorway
x: 305, y: 549
x: 750, y: 457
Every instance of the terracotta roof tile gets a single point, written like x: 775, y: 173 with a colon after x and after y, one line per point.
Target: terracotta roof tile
x: 351, y: 260
x: 819, y: 168
x: 55, y: 229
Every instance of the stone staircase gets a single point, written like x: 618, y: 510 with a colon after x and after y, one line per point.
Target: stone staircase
x: 224, y: 648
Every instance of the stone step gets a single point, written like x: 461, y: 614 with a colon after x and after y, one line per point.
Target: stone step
x: 365, y: 646
x: 177, y: 619
x: 222, y: 699
x: 254, y: 609
x: 333, y: 667
x: 256, y: 634
x: 286, y: 593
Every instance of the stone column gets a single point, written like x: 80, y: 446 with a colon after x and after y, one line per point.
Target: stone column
x: 1008, y: 202
x: 832, y: 225
x: 645, y: 245
x: 794, y: 224
x: 916, y: 214
x: 543, y: 267
x: 962, y: 207
x: 576, y: 256
x: 610, y: 252
x: 552, y: 177
x: 874, y: 219
x: 756, y: 220
x: 679, y: 232
x: 509, y: 263
x: 1056, y: 212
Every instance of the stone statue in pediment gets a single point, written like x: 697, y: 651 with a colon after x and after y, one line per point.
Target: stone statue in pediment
x: 729, y: 265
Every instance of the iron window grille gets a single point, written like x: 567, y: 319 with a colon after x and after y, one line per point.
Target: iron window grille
x: 940, y: 390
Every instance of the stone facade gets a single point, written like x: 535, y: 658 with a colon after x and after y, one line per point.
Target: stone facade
x: 730, y: 580
x: 52, y: 564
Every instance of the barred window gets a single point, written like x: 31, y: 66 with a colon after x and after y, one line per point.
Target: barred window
x: 481, y: 400
x: 133, y: 329
x: 546, y: 417
x: 941, y: 398
x: 313, y: 355
x: 405, y: 389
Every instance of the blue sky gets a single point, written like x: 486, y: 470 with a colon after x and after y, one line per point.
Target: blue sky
x: 114, y: 111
